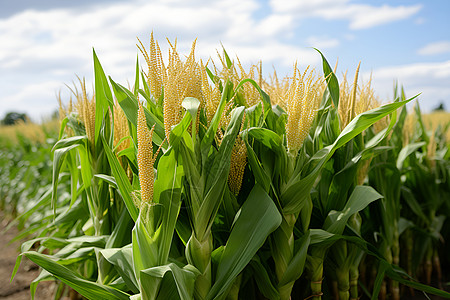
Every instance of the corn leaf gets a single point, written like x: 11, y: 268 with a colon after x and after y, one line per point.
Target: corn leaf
x: 122, y: 181
x: 122, y: 259
x: 257, y: 218
x: 360, y: 198
x: 167, y: 192
x: 297, y: 264
x: 332, y: 82
x: 59, y: 156
x: 103, y: 96
x: 297, y: 187
x: 262, y: 279
x: 136, y: 78
x: 407, y: 151
x: 120, y: 235
x: 88, y: 289
x: 214, y: 125
x: 145, y: 249
x: 128, y: 103
x: 217, y: 173
x: 168, y: 282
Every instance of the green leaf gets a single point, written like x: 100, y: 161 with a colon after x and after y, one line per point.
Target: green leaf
x: 257, y: 218
x: 128, y: 103
x: 145, y: 249
x: 268, y: 138
x: 378, y: 281
x: 297, y: 264
x: 262, y: 279
x: 257, y: 168
x: 167, y: 192
x: 59, y: 156
x: 254, y: 116
x: 360, y: 198
x: 74, y: 140
x: 217, y: 172
x: 413, y: 204
x: 227, y: 58
x: 407, y: 151
x: 136, y: 78
x: 88, y: 289
x: 179, y: 132
x: 103, y: 96
x: 168, y: 282
x: 120, y: 235
x: 332, y: 82
x: 191, y: 105
x: 214, y: 125
x: 311, y: 171
x: 264, y: 96
x: 122, y: 259
x: 122, y: 181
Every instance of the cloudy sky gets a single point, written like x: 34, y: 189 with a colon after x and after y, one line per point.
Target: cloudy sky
x: 45, y: 44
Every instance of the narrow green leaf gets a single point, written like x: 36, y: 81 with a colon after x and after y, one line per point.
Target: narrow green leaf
x: 297, y: 264
x: 378, y: 281
x: 191, y: 105
x: 407, y: 151
x: 167, y: 192
x: 122, y: 181
x: 136, y: 78
x: 103, y: 96
x: 59, y: 156
x: 227, y: 58
x: 128, y: 103
x: 262, y: 279
x: 257, y: 218
x: 360, y: 198
x: 145, y: 249
x: 88, y: 289
x: 332, y: 82
x: 122, y: 259
x: 168, y: 282
x: 214, y: 125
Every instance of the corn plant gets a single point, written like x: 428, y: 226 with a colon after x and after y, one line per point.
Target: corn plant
x: 425, y: 188
x: 165, y: 206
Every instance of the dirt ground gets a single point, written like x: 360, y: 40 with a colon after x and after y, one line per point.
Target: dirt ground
x: 19, y: 288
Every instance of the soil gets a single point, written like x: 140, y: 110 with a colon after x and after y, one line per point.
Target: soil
x: 19, y: 288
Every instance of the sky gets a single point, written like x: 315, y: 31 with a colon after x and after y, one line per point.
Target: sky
x: 46, y: 44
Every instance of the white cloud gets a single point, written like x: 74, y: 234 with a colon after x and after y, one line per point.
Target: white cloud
x: 322, y: 42
x: 44, y: 49
x: 435, y: 48
x: 428, y: 79
x: 36, y: 99
x: 365, y: 16
x: 360, y: 16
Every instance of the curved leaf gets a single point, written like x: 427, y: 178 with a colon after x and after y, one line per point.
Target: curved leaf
x: 88, y: 289
x: 257, y: 218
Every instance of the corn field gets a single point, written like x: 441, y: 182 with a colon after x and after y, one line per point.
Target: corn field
x: 207, y: 181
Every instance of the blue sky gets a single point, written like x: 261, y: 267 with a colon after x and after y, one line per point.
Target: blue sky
x: 45, y: 44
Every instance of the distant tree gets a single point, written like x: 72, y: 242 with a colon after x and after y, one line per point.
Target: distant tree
x: 11, y: 118
x: 440, y: 107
